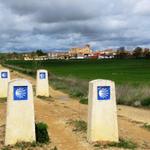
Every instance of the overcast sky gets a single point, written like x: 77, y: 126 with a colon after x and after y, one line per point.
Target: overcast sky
x: 62, y: 24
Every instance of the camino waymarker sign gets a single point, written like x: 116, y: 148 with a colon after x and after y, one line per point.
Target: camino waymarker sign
x: 4, y: 79
x: 20, y: 93
x: 42, y: 83
x: 42, y: 75
x: 103, y: 92
x: 102, y: 112
x: 20, y: 120
x: 4, y: 75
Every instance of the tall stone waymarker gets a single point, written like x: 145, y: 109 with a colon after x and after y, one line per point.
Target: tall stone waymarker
x: 20, y: 121
x: 42, y: 85
x: 4, y: 79
x: 102, y: 112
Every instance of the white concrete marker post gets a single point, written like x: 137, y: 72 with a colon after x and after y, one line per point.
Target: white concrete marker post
x: 102, y: 112
x: 20, y: 121
x: 4, y: 79
x: 42, y: 85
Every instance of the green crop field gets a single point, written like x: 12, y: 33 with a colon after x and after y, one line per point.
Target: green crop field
x: 132, y: 76
x: 119, y: 70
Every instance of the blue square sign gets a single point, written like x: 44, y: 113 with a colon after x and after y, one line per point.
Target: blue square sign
x: 103, y: 92
x: 20, y: 93
x: 4, y: 75
x: 42, y: 75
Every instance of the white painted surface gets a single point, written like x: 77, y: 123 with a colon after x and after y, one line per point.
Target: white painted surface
x: 4, y: 82
x: 20, y: 121
x: 42, y: 85
x: 102, y: 114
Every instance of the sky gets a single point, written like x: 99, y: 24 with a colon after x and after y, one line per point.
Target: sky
x: 27, y: 25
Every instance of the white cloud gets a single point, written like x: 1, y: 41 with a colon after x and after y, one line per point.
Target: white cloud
x: 142, y: 7
x: 60, y: 24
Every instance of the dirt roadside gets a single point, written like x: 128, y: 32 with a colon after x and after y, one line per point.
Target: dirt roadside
x: 62, y: 108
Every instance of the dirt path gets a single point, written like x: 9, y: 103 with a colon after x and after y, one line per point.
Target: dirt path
x: 62, y: 108
x: 135, y: 114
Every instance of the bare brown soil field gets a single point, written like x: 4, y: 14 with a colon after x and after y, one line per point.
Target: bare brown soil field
x: 59, y: 108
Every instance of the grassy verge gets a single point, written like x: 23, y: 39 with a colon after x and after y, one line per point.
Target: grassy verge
x: 74, y: 87
x: 20, y: 69
x: 123, y: 144
x: 127, y: 94
x: 146, y: 126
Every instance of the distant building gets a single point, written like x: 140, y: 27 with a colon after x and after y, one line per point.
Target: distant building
x: 104, y: 54
x: 58, y: 55
x: 80, y: 53
x: 41, y: 58
x: 52, y: 55
x: 31, y: 56
x: 28, y: 56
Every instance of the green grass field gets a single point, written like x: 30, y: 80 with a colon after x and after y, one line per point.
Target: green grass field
x: 132, y: 76
x: 119, y: 70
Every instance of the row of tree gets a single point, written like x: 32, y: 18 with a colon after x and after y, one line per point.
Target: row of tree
x: 20, y: 56
x: 138, y: 52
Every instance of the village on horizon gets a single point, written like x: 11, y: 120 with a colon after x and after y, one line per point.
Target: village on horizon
x: 84, y: 52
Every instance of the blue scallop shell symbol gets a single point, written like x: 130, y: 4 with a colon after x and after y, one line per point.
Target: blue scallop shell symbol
x: 103, y: 92
x: 20, y: 93
x: 4, y: 75
x: 42, y: 75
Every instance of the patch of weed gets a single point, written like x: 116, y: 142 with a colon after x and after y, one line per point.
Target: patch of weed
x: 22, y: 145
x: 3, y: 100
x: 84, y: 101
x: 79, y: 125
x: 55, y: 148
x: 45, y: 98
x: 127, y: 144
x: 42, y: 133
x: 145, y: 102
x: 146, y: 126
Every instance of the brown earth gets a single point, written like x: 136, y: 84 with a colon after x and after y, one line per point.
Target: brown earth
x: 59, y: 108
